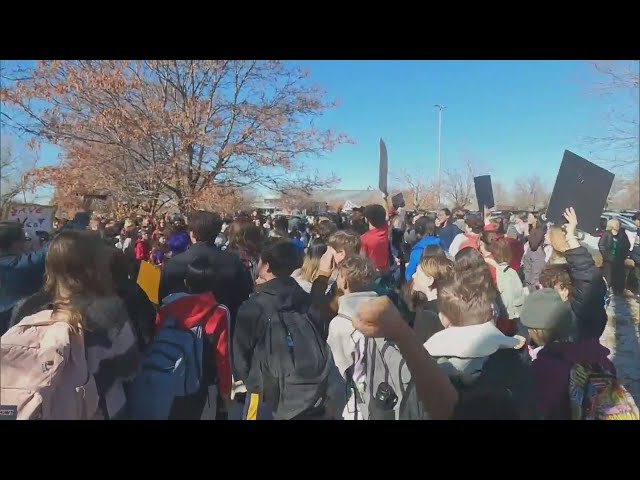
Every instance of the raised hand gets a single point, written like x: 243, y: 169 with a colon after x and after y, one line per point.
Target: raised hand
x: 327, y: 262
x: 572, y: 219
x: 379, y: 318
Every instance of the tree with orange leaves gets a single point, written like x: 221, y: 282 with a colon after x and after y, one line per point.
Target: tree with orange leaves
x: 168, y: 130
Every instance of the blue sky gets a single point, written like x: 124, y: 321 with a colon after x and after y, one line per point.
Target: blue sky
x: 513, y: 118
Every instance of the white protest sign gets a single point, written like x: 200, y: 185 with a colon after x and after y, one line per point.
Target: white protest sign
x: 33, y: 217
x: 348, y: 206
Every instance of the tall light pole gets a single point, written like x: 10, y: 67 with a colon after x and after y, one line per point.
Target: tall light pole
x: 440, y: 108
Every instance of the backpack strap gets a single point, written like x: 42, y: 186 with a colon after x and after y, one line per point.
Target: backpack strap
x: 403, y: 390
x: 42, y: 323
x: 385, y: 347
x: 351, y: 385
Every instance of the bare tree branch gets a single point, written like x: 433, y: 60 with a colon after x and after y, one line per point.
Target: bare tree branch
x: 618, y: 79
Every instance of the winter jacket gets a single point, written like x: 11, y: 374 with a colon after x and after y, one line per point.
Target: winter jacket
x: 551, y: 369
x: 517, y: 253
x: 426, y: 321
x: 113, y: 352
x: 20, y: 277
x: 298, y: 243
x: 323, y: 293
x: 460, y: 223
x: 347, y: 344
x: 410, y: 237
x: 345, y: 341
x: 605, y: 245
x: 447, y: 234
x: 635, y: 253
x: 512, y: 293
x: 480, y: 361
x: 464, y: 240
x: 279, y: 294
x: 534, y: 260
x: 416, y: 254
x: 142, y: 250
x: 232, y: 284
x: 462, y: 351
x: 191, y: 310
x: 360, y: 227
x: 588, y: 293
x: 304, y: 284
x: 506, y: 326
x: 249, y: 261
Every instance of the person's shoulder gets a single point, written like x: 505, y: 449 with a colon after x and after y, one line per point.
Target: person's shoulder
x: 339, y: 324
x: 252, y: 304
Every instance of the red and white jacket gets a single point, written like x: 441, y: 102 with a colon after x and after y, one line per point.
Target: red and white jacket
x: 188, y: 311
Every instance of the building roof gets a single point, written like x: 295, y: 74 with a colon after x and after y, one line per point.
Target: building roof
x: 358, y: 197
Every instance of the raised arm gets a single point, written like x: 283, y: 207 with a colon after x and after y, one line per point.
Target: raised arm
x: 380, y: 318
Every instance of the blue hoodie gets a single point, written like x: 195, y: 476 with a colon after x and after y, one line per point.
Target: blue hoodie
x: 416, y: 254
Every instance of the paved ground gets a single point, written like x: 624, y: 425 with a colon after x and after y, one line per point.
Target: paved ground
x: 622, y: 337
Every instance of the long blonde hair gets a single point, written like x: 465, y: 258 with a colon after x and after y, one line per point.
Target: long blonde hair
x: 77, y: 269
x: 311, y: 265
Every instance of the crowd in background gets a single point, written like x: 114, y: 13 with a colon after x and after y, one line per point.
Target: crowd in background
x: 370, y: 314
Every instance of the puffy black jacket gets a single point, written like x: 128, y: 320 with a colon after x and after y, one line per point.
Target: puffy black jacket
x: 231, y: 287
x: 589, y: 292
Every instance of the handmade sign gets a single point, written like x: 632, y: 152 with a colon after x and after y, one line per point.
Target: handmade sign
x: 149, y: 280
x: 349, y: 206
x: 33, y: 217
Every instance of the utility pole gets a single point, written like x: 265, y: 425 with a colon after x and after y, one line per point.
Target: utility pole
x: 440, y: 109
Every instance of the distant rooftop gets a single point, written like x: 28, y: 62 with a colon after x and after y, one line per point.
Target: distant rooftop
x: 359, y: 197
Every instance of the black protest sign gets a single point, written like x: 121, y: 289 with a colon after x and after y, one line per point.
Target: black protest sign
x: 582, y: 185
x: 398, y: 200
x: 484, y: 192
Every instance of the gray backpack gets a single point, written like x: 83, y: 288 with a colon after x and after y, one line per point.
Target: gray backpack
x: 385, y: 364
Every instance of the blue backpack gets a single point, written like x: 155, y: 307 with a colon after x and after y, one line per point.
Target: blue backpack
x: 171, y: 382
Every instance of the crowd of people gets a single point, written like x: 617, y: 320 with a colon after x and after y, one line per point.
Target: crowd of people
x: 375, y: 314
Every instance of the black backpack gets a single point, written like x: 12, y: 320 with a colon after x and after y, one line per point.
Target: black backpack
x: 505, y: 385
x: 294, y: 362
